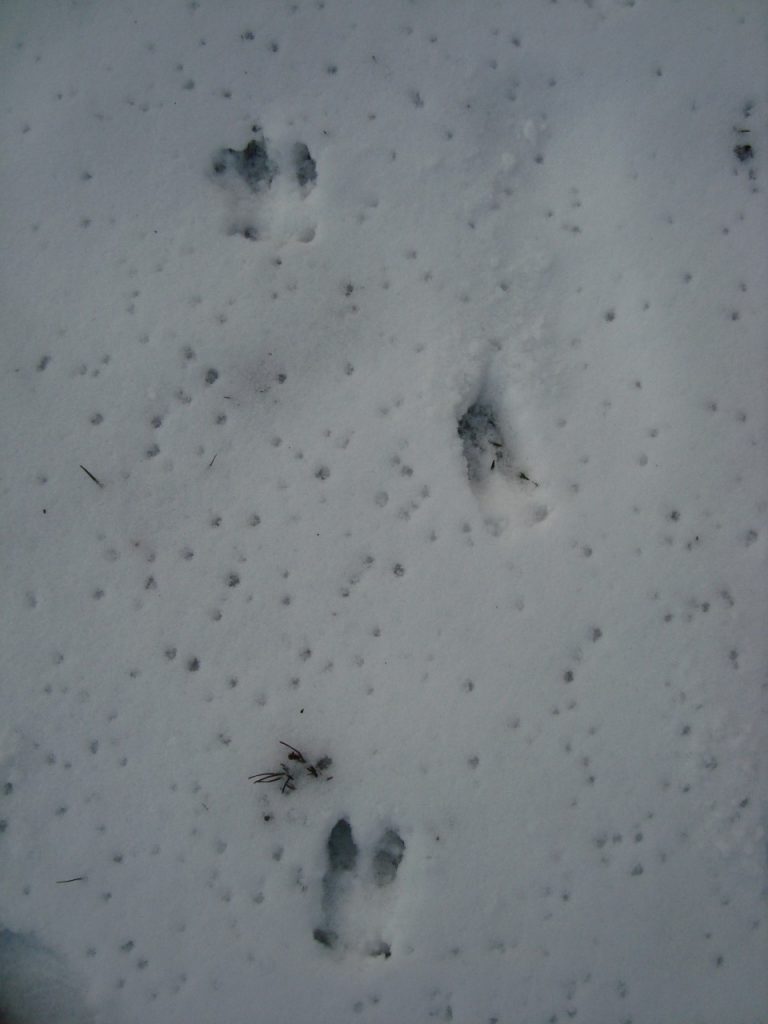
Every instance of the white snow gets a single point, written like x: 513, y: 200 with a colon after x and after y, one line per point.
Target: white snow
x: 448, y: 465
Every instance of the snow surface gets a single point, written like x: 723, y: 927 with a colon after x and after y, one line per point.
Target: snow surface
x: 414, y: 356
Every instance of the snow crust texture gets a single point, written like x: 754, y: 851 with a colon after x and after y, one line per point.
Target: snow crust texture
x: 383, y: 471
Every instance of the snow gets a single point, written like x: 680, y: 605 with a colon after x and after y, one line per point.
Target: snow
x: 387, y: 381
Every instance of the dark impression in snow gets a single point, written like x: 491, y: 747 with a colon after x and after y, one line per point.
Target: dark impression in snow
x: 253, y: 163
x: 482, y: 440
x: 257, y: 168
x: 306, y: 168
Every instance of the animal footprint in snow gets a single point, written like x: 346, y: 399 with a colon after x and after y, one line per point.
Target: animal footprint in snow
x: 482, y: 441
x: 263, y: 203
x: 356, y: 902
x: 493, y: 469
